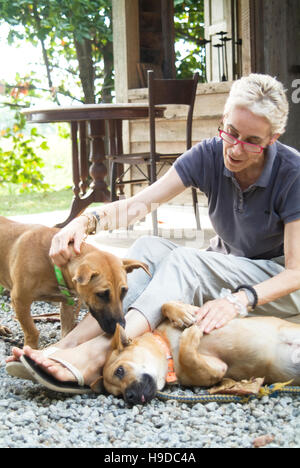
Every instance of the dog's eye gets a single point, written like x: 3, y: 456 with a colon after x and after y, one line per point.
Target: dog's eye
x: 120, y: 372
x: 104, y: 295
x: 123, y: 293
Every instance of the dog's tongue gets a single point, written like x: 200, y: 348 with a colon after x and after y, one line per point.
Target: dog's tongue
x: 143, y: 399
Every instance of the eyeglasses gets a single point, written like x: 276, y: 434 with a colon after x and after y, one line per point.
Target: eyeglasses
x: 248, y: 147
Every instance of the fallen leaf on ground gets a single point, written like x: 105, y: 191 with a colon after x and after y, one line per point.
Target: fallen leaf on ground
x: 263, y: 440
x: 232, y: 387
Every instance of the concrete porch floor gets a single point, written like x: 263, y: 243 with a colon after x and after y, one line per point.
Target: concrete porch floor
x: 176, y: 222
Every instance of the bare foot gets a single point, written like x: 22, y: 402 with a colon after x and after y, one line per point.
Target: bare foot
x: 56, y: 369
x: 88, y: 358
x: 50, y: 366
x: 16, y: 354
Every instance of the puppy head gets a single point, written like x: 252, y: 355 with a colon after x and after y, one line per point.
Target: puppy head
x: 100, y: 280
x: 128, y: 371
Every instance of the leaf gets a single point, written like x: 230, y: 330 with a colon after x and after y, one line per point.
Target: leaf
x: 44, y: 145
x: 262, y: 441
x: 232, y: 387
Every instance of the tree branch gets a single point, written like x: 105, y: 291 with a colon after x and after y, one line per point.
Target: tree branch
x: 189, y: 37
x: 45, y: 55
x: 33, y: 87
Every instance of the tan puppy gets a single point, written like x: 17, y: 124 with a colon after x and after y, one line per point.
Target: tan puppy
x: 246, y: 347
x: 98, y: 278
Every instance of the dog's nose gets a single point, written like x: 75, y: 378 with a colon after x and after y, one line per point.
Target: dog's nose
x: 141, y: 392
x: 109, y: 326
x: 106, y: 321
x: 130, y: 397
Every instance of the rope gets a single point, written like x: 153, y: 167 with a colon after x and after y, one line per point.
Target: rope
x: 205, y: 397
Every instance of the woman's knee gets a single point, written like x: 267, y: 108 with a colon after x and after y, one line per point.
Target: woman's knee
x: 200, y: 263
x: 185, y: 254
x: 150, y: 248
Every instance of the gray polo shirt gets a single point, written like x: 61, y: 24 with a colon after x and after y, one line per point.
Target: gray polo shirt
x: 248, y: 223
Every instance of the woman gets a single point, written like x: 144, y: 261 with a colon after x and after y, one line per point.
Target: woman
x: 253, y: 187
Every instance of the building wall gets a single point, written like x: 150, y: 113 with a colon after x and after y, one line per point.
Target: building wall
x: 279, y: 55
x: 170, y: 130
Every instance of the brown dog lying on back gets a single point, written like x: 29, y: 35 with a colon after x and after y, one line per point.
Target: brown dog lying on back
x: 244, y: 348
x: 98, y: 278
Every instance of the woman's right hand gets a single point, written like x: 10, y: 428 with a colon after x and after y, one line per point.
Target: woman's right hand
x: 68, y: 239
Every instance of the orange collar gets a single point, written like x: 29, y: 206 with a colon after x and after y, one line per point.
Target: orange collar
x: 171, y: 375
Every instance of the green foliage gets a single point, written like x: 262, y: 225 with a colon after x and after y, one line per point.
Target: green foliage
x: 81, y: 32
x: 78, y: 30
x: 20, y: 164
x: 189, y: 29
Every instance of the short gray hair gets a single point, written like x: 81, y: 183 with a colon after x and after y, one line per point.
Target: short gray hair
x: 262, y: 95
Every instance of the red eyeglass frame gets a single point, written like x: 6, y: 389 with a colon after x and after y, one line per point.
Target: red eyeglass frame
x: 262, y: 148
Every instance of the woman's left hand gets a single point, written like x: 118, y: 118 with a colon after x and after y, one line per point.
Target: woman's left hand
x: 215, y: 314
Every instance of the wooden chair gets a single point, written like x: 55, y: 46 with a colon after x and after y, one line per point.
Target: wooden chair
x: 160, y: 92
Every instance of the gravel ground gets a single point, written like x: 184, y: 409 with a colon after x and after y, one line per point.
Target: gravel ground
x: 31, y: 416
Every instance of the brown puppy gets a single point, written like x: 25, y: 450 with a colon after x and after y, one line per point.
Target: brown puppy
x: 98, y: 278
x: 246, y: 347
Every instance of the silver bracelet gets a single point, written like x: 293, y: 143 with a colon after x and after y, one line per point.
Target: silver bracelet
x: 241, y: 308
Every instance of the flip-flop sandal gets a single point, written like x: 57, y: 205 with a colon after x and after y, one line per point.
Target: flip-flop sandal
x: 41, y: 377
x: 17, y: 369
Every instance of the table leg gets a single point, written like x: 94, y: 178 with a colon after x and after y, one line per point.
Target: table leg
x: 112, y: 165
x: 98, y: 170
x: 75, y: 162
x: 84, y: 167
x: 98, y: 190
x: 119, y: 144
x: 116, y: 149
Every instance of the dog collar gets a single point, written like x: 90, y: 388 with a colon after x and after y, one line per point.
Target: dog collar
x: 62, y: 285
x: 171, y: 375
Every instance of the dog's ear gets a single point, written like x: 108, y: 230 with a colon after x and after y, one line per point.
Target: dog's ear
x: 84, y: 274
x: 120, y: 339
x: 130, y: 265
x: 97, y: 386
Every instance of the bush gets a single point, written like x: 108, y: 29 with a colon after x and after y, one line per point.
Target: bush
x: 20, y: 164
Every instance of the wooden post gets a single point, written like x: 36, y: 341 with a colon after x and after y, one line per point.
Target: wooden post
x: 275, y: 51
x: 126, y: 46
x: 245, y: 35
x: 168, y: 33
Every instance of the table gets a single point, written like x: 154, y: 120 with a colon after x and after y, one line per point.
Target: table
x: 88, y: 124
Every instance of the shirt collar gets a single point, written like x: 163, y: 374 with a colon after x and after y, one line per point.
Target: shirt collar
x: 265, y: 176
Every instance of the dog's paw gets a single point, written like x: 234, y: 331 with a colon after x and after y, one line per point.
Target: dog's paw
x: 4, y: 331
x: 192, y: 336
x: 180, y: 315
